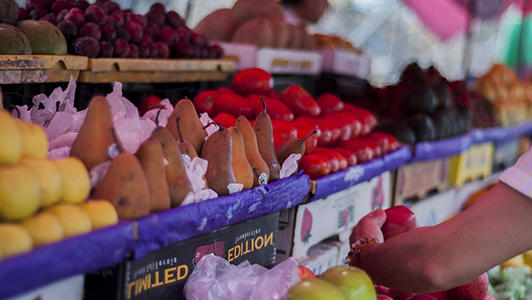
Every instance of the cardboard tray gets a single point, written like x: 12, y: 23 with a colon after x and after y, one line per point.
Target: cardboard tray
x: 104, y: 70
x: 15, y: 69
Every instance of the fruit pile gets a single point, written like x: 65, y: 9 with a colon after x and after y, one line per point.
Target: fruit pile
x: 510, y: 97
x: 259, y: 23
x: 42, y: 201
x: 424, y: 106
x: 103, y: 29
x: 330, y: 134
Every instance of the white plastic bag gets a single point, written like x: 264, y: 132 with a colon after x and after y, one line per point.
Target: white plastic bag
x: 214, y: 278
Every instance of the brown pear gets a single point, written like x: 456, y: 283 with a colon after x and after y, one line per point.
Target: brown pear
x: 151, y: 157
x: 218, y: 151
x: 95, y: 137
x: 126, y: 187
x: 264, y: 131
x: 241, y: 167
x: 261, y: 172
x: 291, y: 146
x: 190, y: 124
x: 179, y: 184
x: 184, y: 145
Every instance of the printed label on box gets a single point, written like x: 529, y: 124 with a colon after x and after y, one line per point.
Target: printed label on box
x: 242, y: 55
x: 283, y: 61
x: 346, y: 63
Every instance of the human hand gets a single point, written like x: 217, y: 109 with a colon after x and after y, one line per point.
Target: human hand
x: 369, y: 227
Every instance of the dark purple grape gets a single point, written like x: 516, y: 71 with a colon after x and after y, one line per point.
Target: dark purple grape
x: 219, y: 52
x: 122, y: 33
x: 61, y: 16
x: 95, y: 14
x: 22, y: 14
x: 158, y: 7
x: 69, y: 29
x: 119, y: 19
x: 205, y: 52
x: 48, y: 3
x: 76, y: 16
x: 183, y: 50
x: 38, y: 13
x: 113, y: 7
x: 87, y: 46
x: 198, y: 39
x: 151, y: 30
x: 146, y: 39
x: 144, y: 50
x: 184, y: 33
x: 106, y: 49
x: 82, y: 4
x: 135, y: 31
x: 173, y: 19
x: 59, y: 5
x: 133, y: 51
x: 108, y: 33
x: 33, y: 4
x: 109, y: 21
x: 153, y: 50
x: 140, y: 19
x: 197, y: 51
x: 163, y: 51
x: 50, y: 17
x: 168, y: 36
x: 102, y: 6
x: 121, y: 48
x: 90, y: 29
x: 155, y: 17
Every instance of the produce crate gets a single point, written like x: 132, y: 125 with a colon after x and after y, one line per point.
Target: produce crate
x: 322, y: 256
x: 435, y: 209
x: 40, y: 68
x: 70, y: 288
x: 416, y: 180
x: 162, y: 274
x: 306, y: 225
x: 346, y: 63
x: 102, y: 70
x: 472, y: 164
x: 505, y: 154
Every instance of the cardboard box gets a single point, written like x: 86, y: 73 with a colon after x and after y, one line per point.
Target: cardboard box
x: 321, y: 257
x: 414, y: 181
x: 162, y: 274
x: 506, y: 154
x: 244, y: 56
x: 70, y: 288
x: 347, y: 63
x: 308, y: 224
x: 472, y: 164
x: 285, y: 61
x: 435, y: 209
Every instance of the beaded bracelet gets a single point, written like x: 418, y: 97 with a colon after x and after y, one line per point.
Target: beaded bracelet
x: 356, y: 248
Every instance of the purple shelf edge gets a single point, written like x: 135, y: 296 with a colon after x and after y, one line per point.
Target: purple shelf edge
x: 162, y: 229
x: 443, y: 148
x: 500, y: 134
x: 72, y: 256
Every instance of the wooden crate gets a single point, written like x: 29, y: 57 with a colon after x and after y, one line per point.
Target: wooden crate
x: 40, y: 68
x: 104, y: 70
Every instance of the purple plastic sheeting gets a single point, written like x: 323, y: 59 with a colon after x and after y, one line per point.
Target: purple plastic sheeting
x: 333, y: 183
x: 72, y: 256
x: 500, y: 134
x: 162, y: 229
x: 443, y: 148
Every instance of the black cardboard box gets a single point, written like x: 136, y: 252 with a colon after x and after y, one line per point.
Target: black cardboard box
x: 162, y: 274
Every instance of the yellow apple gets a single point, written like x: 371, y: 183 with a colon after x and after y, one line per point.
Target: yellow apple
x: 101, y: 212
x: 44, y: 228
x: 353, y: 282
x: 15, y: 239
x: 315, y: 289
x: 34, y: 139
x: 10, y: 140
x: 75, y: 179
x: 74, y: 220
x: 48, y: 177
x: 20, y: 193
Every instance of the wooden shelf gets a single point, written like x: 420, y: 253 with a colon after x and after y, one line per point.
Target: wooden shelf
x: 40, y: 68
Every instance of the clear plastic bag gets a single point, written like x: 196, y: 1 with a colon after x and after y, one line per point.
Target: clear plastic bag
x: 214, y: 278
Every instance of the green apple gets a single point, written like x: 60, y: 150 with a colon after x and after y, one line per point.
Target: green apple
x: 353, y: 282
x: 315, y: 289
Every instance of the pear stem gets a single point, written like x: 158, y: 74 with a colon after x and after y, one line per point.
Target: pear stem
x: 263, y: 104
x: 311, y: 134
x: 115, y: 138
x: 157, y: 116
x: 221, y: 128
x: 179, y: 129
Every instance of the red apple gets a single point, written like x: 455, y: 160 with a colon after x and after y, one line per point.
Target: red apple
x: 309, y: 123
x: 314, y: 165
x: 278, y: 140
x: 284, y: 129
x: 148, y: 103
x: 399, y: 219
x: 369, y: 120
x: 398, y: 295
x: 383, y: 297
x: 330, y: 102
x: 300, y: 101
x: 489, y: 297
x: 232, y: 104
x: 252, y: 81
x: 311, y: 142
x: 305, y: 273
x: 348, y: 155
x: 440, y: 295
x: 475, y: 290
x: 225, y: 119
x: 359, y: 148
x: 204, y: 100
x: 381, y: 289
x: 333, y: 160
x: 421, y: 297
